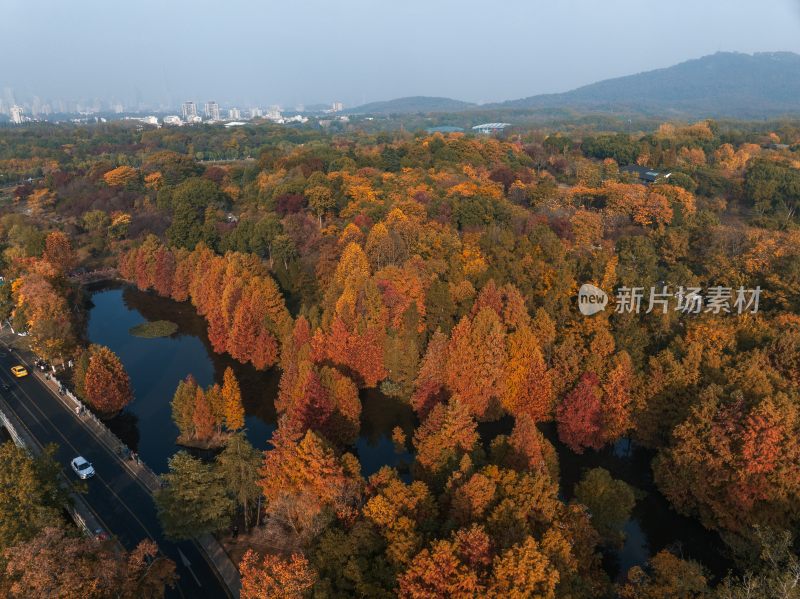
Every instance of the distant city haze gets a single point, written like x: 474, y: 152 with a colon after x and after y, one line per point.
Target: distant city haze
x: 157, y: 53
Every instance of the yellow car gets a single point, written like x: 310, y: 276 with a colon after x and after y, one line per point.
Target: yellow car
x: 19, y: 371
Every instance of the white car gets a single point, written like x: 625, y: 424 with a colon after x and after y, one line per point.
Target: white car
x: 82, y: 468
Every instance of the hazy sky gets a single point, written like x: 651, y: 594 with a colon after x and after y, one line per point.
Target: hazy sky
x: 263, y: 52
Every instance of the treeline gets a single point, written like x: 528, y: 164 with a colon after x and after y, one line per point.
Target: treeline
x: 245, y: 311
x: 203, y: 415
x: 443, y: 271
x: 42, y: 555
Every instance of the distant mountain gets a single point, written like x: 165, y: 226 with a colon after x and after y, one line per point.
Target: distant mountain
x: 726, y: 84
x: 412, y: 105
x: 723, y: 84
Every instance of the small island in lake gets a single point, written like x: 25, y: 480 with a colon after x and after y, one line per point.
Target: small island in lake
x: 153, y: 330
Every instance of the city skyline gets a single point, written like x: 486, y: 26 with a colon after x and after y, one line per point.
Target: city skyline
x: 158, y: 56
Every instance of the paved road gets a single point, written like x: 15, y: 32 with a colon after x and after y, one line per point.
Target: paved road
x: 121, y: 502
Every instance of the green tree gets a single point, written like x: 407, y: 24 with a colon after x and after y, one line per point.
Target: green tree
x: 238, y: 464
x: 189, y: 203
x: 194, y: 500
x: 183, y: 406
x: 775, y: 573
x: 6, y: 301
x: 31, y: 497
x: 320, y: 200
x: 609, y: 501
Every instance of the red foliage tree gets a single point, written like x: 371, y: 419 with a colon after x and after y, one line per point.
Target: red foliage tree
x: 579, y: 416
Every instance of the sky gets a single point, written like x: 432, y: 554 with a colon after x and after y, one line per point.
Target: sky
x: 262, y: 52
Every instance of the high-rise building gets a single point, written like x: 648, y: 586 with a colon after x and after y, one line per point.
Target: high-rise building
x: 234, y: 114
x: 274, y: 113
x: 212, y: 110
x: 337, y: 107
x: 255, y: 113
x: 188, y: 110
x: 16, y: 114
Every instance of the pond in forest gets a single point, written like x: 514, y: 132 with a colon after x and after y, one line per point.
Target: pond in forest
x: 157, y: 365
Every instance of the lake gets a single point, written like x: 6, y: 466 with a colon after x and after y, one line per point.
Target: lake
x: 156, y: 366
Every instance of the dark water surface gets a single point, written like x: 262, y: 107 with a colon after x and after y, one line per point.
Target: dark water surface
x: 653, y: 524
x: 157, y: 365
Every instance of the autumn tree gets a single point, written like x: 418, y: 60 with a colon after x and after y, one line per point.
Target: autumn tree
x: 275, y: 577
x: 666, y: 577
x: 401, y: 513
x: 232, y: 401
x: 57, y: 564
x: 357, y: 319
x: 107, y: 385
x: 618, y: 399
x: 429, y: 386
x: 31, y: 497
x: 526, y: 448
x: 437, y: 572
x: 579, y: 415
x: 524, y: 570
x: 733, y: 463
x: 305, y: 485
x: 320, y: 200
x: 203, y: 417
x: 527, y: 383
x: 445, y: 436
x: 43, y: 312
x: 58, y: 252
x: 122, y: 176
x: 475, y: 360
x: 242, y: 304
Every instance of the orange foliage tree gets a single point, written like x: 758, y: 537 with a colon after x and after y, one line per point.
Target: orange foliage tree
x: 58, y: 252
x: 106, y: 384
x: 275, y: 577
x: 244, y: 308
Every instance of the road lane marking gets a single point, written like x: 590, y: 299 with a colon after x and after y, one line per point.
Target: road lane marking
x: 88, y: 429
x: 67, y: 442
x: 114, y: 458
x: 97, y: 516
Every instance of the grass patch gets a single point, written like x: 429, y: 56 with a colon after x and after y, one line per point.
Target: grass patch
x: 152, y: 330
